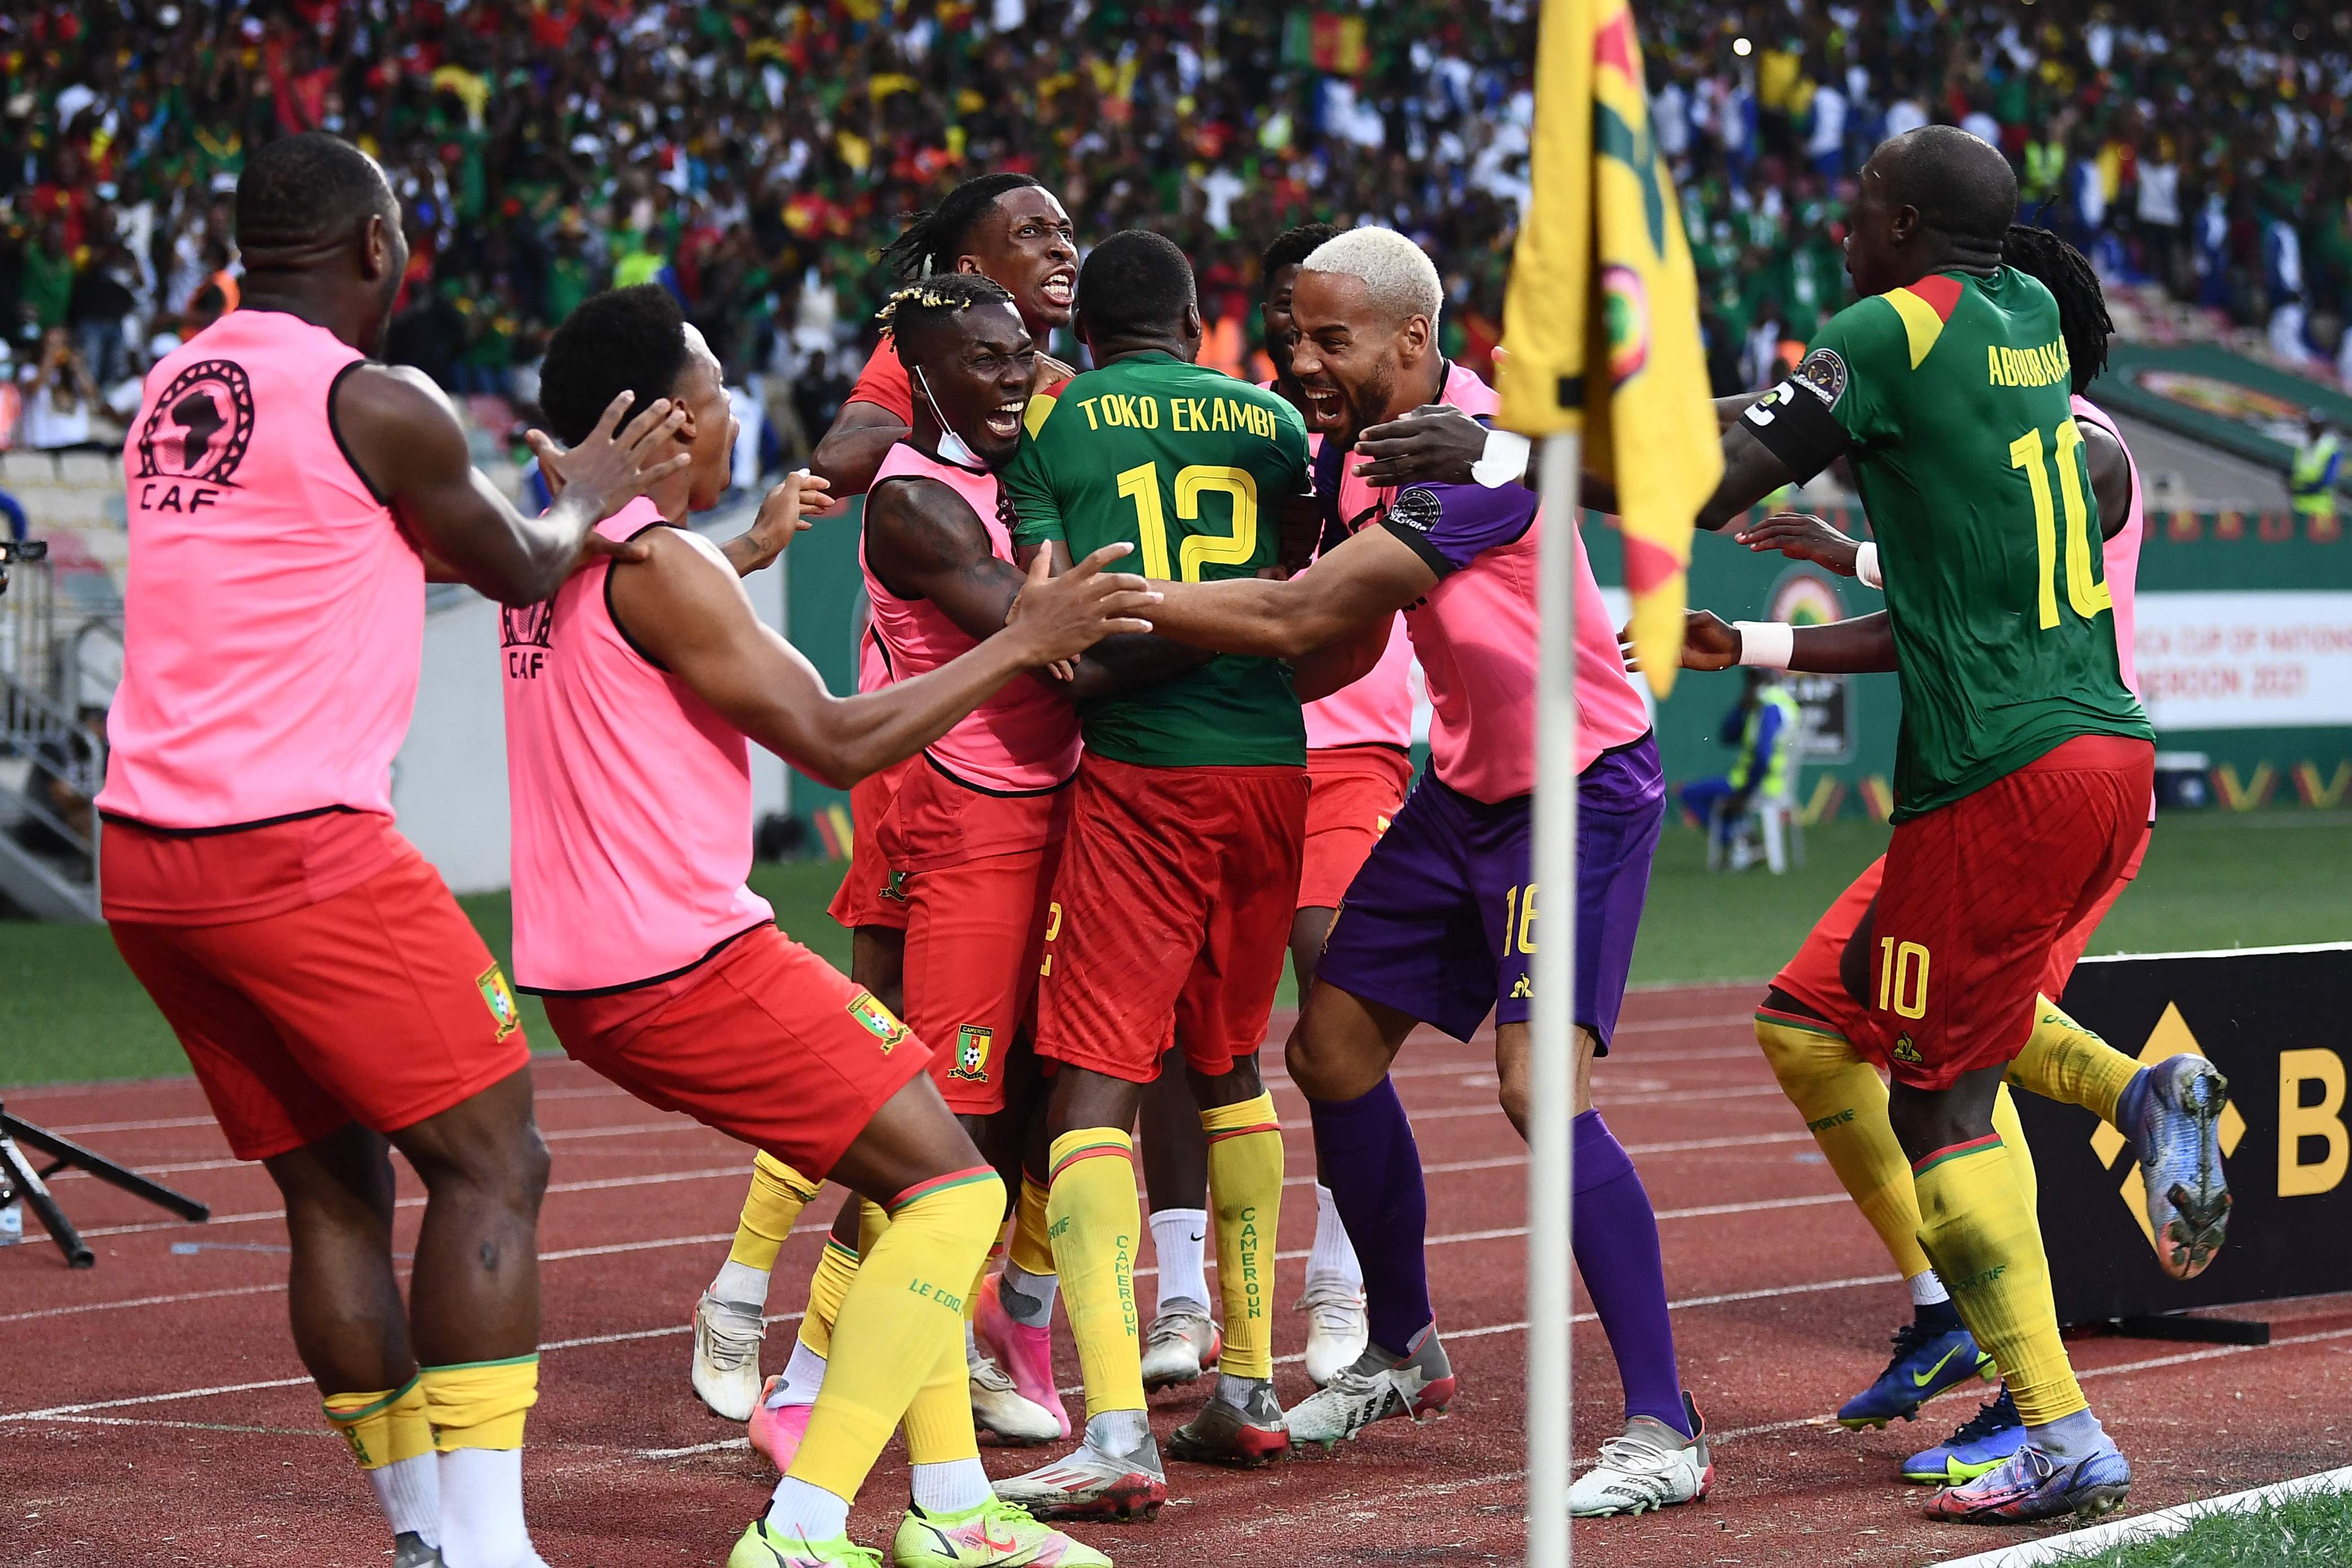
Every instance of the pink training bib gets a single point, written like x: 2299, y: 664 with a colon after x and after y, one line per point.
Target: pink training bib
x: 631, y: 799
x: 2120, y: 556
x: 1024, y: 739
x: 1476, y: 634
x: 273, y: 610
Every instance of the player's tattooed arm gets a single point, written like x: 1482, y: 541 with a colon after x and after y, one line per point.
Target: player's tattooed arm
x: 685, y: 611
x: 402, y: 438
x: 925, y: 542
x: 1351, y: 592
x: 851, y: 453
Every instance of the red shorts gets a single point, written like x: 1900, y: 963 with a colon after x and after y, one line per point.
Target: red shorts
x: 1977, y: 896
x: 865, y: 897
x: 763, y: 1040
x: 1813, y: 977
x: 975, y: 924
x: 377, y: 1004
x: 1352, y: 791
x: 1171, y: 912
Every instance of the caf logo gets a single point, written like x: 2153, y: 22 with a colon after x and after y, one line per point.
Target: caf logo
x: 200, y: 427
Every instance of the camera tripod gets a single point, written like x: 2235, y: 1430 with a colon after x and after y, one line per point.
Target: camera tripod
x: 18, y: 1179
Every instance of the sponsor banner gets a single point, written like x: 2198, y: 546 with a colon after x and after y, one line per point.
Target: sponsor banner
x: 2278, y: 1023
x: 2245, y: 660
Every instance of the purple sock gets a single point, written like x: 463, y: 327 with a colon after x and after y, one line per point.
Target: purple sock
x: 1617, y: 1253
x: 1365, y: 1151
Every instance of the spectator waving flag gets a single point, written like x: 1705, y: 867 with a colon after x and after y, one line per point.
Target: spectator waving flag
x: 1601, y: 320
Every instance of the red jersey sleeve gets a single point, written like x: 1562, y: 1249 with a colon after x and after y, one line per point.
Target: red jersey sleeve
x: 883, y: 382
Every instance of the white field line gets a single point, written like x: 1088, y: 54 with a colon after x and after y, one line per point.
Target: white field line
x: 713, y: 1238
x: 2163, y: 1523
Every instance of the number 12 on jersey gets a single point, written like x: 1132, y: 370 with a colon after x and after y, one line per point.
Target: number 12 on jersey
x: 1141, y: 484
x: 2085, y: 592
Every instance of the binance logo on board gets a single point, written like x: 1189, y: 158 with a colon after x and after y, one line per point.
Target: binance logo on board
x: 2168, y: 1039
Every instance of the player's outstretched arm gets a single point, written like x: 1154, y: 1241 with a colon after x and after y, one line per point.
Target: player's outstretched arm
x: 1862, y: 645
x: 1350, y: 592
x: 685, y: 608
x: 783, y: 513
x: 851, y: 453
x: 1801, y: 536
x: 404, y: 438
x: 2110, y: 469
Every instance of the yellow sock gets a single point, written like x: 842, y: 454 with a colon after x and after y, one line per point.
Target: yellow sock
x: 2065, y: 1062
x: 1977, y: 1227
x: 1094, y: 1220
x: 902, y: 1317
x: 1246, y: 1185
x: 2012, y: 1138
x: 480, y: 1405
x: 778, y: 1195
x: 382, y: 1428
x: 1031, y: 1251
x: 836, y: 1270
x: 1844, y: 1103
x: 938, y: 1421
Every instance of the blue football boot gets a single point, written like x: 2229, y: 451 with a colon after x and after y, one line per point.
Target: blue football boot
x: 2175, y: 1133
x: 1927, y: 1362
x: 1983, y: 1443
x: 2033, y: 1485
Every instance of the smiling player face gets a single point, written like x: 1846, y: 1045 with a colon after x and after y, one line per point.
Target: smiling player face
x: 1026, y: 244
x: 979, y: 375
x: 1349, y: 356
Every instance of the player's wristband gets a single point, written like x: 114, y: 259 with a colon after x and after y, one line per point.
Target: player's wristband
x: 1865, y: 566
x: 1504, y: 461
x: 1769, y: 644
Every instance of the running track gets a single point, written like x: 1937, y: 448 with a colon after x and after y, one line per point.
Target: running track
x: 151, y: 1411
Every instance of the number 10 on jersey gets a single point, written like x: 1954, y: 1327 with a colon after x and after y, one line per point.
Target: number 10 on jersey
x: 2085, y: 592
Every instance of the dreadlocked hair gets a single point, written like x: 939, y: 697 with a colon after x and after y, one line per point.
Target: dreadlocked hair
x: 914, y: 315
x: 2067, y: 272
x: 931, y: 240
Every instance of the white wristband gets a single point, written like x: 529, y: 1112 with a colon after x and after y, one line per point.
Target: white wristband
x: 1769, y: 644
x: 1504, y: 461
x: 1865, y: 566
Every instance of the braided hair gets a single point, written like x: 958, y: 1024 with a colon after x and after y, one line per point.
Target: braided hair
x: 2067, y: 272
x: 932, y: 240
x: 915, y: 315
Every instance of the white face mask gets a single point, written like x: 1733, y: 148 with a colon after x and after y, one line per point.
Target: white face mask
x: 952, y: 447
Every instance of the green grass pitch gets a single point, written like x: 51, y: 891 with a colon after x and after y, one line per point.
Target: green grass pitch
x: 70, y: 1011
x: 2297, y: 1532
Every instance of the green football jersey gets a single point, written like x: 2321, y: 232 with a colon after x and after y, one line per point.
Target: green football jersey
x: 1190, y: 467
x: 1951, y: 399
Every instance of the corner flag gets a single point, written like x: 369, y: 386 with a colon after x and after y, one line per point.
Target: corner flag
x: 1601, y: 318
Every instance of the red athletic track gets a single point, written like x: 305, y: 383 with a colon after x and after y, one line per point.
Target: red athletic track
x: 151, y: 1411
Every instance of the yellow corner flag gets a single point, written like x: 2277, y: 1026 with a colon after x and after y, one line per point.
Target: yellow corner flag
x: 1602, y: 277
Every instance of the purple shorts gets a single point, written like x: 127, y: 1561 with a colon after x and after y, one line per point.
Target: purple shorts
x: 1438, y: 923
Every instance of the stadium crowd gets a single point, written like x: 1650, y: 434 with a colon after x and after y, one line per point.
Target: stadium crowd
x: 753, y: 158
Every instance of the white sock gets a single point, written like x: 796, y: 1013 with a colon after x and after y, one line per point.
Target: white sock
x: 807, y: 1513
x: 1179, y: 1239
x: 804, y: 1375
x: 1117, y: 1432
x: 1028, y: 1298
x: 481, y: 1509
x: 1334, y: 1259
x: 1927, y: 1289
x: 955, y: 1486
x: 409, y: 1492
x: 742, y: 1284
x: 971, y: 1343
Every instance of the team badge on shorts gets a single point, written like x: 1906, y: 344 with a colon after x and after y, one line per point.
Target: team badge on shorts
x: 877, y: 1020
x: 492, y: 983
x: 975, y: 1044
x: 1905, y: 1051
x: 894, y: 890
